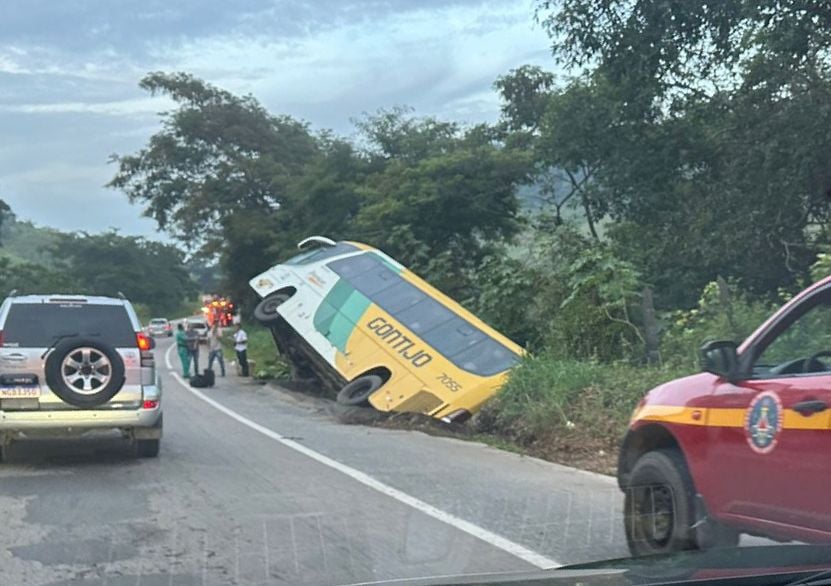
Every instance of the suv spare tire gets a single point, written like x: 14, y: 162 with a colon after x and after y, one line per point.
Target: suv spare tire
x: 84, y: 372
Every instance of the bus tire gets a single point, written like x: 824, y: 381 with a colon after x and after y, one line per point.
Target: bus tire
x: 359, y: 390
x: 266, y: 310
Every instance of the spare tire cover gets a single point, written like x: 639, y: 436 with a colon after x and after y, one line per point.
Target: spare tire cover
x: 84, y: 372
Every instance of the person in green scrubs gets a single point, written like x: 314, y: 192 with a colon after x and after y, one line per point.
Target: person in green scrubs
x: 182, y: 349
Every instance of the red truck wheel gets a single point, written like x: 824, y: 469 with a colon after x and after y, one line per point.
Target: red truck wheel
x: 658, y: 513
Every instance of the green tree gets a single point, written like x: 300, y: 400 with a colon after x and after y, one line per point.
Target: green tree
x: 28, y: 278
x: 700, y: 129
x: 438, y: 196
x: 221, y: 176
x: 216, y: 154
x: 145, y: 271
x: 675, y: 50
x: 236, y: 184
x: 525, y: 92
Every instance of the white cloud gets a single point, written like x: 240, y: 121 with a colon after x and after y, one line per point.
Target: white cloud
x: 147, y: 105
x: 10, y: 65
x: 67, y: 103
x: 428, y: 59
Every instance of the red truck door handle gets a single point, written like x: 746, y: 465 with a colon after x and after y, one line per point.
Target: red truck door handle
x: 810, y: 407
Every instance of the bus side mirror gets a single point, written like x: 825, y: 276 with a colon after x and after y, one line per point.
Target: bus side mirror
x: 720, y: 358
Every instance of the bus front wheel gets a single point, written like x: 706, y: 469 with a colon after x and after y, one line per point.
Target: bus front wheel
x: 359, y: 390
x: 266, y: 310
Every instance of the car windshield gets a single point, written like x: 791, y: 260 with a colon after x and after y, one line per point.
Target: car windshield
x: 452, y: 288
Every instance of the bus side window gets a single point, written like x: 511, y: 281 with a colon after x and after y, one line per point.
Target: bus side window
x: 323, y: 318
x: 374, y: 280
x: 486, y: 358
x: 453, y: 337
x: 424, y: 316
x: 349, y: 268
x: 398, y: 297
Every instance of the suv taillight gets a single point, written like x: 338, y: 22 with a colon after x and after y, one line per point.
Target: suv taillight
x: 144, y: 342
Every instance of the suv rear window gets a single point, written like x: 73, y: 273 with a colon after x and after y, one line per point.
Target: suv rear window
x: 36, y: 325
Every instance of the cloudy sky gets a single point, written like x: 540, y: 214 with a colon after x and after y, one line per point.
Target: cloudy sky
x: 69, y: 71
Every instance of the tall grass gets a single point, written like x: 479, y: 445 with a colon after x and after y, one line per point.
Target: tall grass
x: 268, y: 364
x: 545, y: 393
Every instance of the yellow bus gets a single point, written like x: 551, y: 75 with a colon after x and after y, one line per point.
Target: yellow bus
x: 379, y: 333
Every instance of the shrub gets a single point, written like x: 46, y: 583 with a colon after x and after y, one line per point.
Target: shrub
x: 723, y: 312
x: 545, y: 393
x: 563, y: 292
x: 261, y: 349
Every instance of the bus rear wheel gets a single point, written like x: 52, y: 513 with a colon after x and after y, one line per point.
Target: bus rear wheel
x: 359, y: 390
x: 266, y: 310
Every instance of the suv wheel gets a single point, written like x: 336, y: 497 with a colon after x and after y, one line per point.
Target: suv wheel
x: 84, y: 372
x: 658, y: 506
x: 148, y: 448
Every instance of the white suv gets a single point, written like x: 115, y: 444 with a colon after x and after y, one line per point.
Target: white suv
x: 72, y: 364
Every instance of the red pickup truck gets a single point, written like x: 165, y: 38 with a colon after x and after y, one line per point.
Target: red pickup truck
x: 743, y: 447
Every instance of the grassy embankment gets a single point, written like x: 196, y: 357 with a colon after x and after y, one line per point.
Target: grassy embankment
x: 267, y: 363
x: 572, y: 412
x: 568, y: 411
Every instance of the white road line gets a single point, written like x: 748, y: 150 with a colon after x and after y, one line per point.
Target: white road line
x: 480, y: 533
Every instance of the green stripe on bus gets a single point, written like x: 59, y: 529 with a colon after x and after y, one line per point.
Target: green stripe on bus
x: 339, y: 312
x: 347, y: 318
x: 355, y: 306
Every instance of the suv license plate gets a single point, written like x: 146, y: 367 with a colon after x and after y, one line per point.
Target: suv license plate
x: 32, y: 392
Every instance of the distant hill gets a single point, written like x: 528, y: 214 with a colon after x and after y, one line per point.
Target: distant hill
x: 539, y: 198
x: 24, y: 241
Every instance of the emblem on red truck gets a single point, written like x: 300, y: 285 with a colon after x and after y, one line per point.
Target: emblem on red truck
x: 763, y: 422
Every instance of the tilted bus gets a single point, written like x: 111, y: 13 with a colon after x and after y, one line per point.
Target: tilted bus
x: 379, y: 333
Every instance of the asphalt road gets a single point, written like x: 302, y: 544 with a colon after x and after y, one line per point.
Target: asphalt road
x: 255, y: 485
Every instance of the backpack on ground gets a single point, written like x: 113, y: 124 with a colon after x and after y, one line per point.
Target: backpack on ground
x: 198, y: 381
x: 210, y: 377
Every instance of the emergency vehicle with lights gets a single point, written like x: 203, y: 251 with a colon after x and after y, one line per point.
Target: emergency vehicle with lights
x: 218, y: 310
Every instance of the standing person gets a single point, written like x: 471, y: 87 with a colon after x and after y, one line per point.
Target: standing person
x: 241, y: 348
x: 182, y: 349
x: 215, y: 348
x: 192, y: 338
